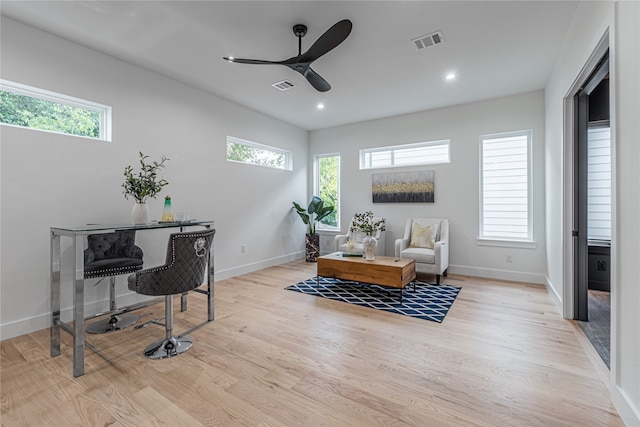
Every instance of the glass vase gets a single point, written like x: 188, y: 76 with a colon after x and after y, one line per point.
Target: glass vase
x: 167, y: 213
x: 369, y: 244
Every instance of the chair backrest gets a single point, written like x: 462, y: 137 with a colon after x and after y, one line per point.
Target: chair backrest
x: 185, y: 266
x: 112, y: 245
x: 443, y: 227
x: 110, y: 254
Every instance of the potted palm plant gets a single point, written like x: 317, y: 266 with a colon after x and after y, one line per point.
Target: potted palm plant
x: 314, y: 213
x: 142, y: 186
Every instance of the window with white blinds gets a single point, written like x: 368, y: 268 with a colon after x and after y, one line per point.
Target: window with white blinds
x: 599, y: 183
x: 421, y: 153
x: 505, y: 187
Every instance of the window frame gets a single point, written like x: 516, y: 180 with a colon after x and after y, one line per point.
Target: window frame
x: 104, y: 111
x: 597, y: 126
x: 400, y: 147
x: 316, y: 188
x: 288, y: 155
x: 507, y: 241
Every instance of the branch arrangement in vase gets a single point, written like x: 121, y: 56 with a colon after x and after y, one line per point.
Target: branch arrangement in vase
x: 146, y: 184
x: 364, y: 222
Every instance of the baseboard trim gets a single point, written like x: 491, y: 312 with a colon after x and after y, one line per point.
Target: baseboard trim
x: 255, y: 266
x: 43, y: 321
x: 630, y: 415
x: 490, y: 273
x: 554, y: 295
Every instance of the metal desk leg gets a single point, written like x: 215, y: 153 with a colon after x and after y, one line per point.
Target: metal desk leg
x: 210, y: 290
x: 78, y: 307
x: 54, y: 288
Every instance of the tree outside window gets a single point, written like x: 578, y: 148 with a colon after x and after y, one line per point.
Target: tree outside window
x: 34, y: 108
x: 327, y: 186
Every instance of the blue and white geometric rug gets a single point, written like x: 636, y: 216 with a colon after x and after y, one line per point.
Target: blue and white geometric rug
x: 428, y: 302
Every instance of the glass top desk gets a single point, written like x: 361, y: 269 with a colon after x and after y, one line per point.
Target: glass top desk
x: 77, y: 234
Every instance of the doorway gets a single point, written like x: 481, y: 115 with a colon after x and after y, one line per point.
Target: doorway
x: 592, y: 195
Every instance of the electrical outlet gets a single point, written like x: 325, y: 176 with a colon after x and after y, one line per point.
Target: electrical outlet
x: 508, y: 258
x: 243, y: 248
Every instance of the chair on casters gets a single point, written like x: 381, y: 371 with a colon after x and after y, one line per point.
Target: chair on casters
x: 110, y: 255
x: 184, y: 270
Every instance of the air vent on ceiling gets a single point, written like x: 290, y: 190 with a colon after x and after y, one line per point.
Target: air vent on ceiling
x: 428, y: 40
x: 283, y: 85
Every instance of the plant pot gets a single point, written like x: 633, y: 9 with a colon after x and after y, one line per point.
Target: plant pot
x: 141, y: 213
x: 312, y: 247
x: 369, y: 244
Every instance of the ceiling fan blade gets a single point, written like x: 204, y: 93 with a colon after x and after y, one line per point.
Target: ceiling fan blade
x: 329, y: 40
x: 316, y: 81
x: 250, y: 61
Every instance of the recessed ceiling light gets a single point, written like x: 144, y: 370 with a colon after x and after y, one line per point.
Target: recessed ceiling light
x: 320, y: 106
x: 450, y: 76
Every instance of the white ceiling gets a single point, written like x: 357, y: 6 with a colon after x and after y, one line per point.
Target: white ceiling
x: 495, y: 48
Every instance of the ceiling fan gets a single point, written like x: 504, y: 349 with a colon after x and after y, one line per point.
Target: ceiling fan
x: 302, y: 63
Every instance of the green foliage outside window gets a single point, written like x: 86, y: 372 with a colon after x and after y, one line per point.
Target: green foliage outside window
x: 25, y: 111
x: 328, y: 183
x: 256, y: 156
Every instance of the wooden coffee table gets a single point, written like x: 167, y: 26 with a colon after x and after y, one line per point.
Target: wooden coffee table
x: 383, y: 271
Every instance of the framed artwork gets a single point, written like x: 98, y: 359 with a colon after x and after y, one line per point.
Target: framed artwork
x: 403, y: 187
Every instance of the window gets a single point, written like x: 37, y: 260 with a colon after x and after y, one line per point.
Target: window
x: 327, y: 187
x: 34, y: 108
x: 421, y: 153
x: 239, y: 150
x: 505, y: 190
x: 599, y: 182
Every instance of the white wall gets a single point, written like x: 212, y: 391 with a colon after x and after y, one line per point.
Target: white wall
x: 49, y: 179
x: 590, y: 24
x: 456, y: 195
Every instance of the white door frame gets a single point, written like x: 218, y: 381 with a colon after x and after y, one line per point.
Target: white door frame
x: 568, y: 171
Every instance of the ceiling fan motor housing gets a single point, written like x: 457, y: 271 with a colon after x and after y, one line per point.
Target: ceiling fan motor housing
x: 300, y: 30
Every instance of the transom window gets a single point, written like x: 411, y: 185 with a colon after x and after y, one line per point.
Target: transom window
x: 242, y: 151
x: 421, y: 153
x: 505, y: 190
x: 39, y: 109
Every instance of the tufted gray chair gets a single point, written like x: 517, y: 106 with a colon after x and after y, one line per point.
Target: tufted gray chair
x: 184, y: 270
x: 110, y: 255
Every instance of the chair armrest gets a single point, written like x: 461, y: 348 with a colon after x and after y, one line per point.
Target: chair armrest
x: 339, y: 240
x: 441, y: 253
x: 401, y: 245
x: 89, y: 256
x: 134, y: 252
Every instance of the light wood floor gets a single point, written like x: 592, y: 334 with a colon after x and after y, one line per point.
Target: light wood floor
x: 502, y: 357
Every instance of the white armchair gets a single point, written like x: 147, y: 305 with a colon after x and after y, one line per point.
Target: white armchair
x: 426, y: 241
x: 341, y: 240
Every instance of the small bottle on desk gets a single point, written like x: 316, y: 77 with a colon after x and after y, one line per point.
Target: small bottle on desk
x: 167, y: 214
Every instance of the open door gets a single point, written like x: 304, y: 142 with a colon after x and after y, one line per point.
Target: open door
x: 583, y: 117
